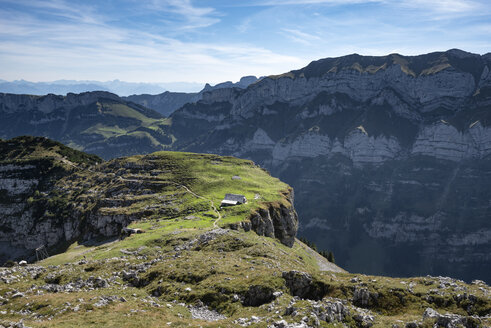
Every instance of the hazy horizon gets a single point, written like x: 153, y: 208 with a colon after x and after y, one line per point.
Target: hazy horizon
x: 130, y: 87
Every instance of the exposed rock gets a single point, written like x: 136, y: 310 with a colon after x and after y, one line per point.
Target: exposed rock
x: 203, y: 313
x: 18, y: 295
x: 400, y: 138
x: 363, y: 318
x: 14, y: 103
x: 133, y: 279
x: 245, y: 322
x: 363, y: 297
x: 302, y: 284
x: 403, y: 142
x: 284, y: 324
x: 451, y: 320
x: 66, y: 201
x: 19, y: 324
x: 105, y: 300
x: 330, y: 311
x: 277, y: 222
x: 258, y: 295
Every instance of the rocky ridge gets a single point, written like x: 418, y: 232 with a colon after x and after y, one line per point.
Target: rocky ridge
x: 139, y: 284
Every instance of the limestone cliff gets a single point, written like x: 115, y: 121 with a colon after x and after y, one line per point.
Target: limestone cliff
x: 275, y: 220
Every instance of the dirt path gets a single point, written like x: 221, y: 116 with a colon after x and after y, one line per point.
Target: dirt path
x: 215, y: 223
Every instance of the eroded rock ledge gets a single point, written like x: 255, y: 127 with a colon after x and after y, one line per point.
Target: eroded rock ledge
x: 275, y: 220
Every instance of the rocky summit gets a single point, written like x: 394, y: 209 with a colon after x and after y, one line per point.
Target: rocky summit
x: 141, y: 241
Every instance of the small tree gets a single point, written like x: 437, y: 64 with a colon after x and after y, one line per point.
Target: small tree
x: 330, y: 257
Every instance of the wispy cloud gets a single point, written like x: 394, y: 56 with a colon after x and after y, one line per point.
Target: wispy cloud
x: 300, y: 37
x: 81, y: 13
x: 193, y: 16
x: 434, y: 6
x: 444, y: 6
x: 307, y: 2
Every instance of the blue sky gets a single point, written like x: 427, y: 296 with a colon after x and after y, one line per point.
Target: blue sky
x: 218, y: 40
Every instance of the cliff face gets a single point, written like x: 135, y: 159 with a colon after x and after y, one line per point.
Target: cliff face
x: 52, y: 195
x: 32, y: 211
x: 278, y: 221
x: 382, y: 151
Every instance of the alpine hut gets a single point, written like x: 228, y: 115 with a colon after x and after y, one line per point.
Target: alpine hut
x: 233, y: 199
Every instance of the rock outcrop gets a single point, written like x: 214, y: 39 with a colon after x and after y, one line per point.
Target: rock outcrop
x: 302, y: 284
x: 277, y: 221
x: 11, y: 103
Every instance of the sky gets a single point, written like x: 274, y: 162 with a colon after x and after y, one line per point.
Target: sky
x: 221, y: 40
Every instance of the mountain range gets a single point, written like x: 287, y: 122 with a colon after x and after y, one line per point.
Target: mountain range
x: 151, y: 95
x: 62, y: 87
x: 389, y: 155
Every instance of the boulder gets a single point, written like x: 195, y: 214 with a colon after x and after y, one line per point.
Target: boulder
x: 302, y: 284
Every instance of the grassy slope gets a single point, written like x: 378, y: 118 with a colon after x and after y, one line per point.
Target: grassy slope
x: 34, y: 148
x: 212, y: 273
x: 133, y: 122
x: 154, y: 187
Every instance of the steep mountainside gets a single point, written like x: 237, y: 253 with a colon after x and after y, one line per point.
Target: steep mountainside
x: 391, y: 155
x: 96, y: 122
x: 182, y: 261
